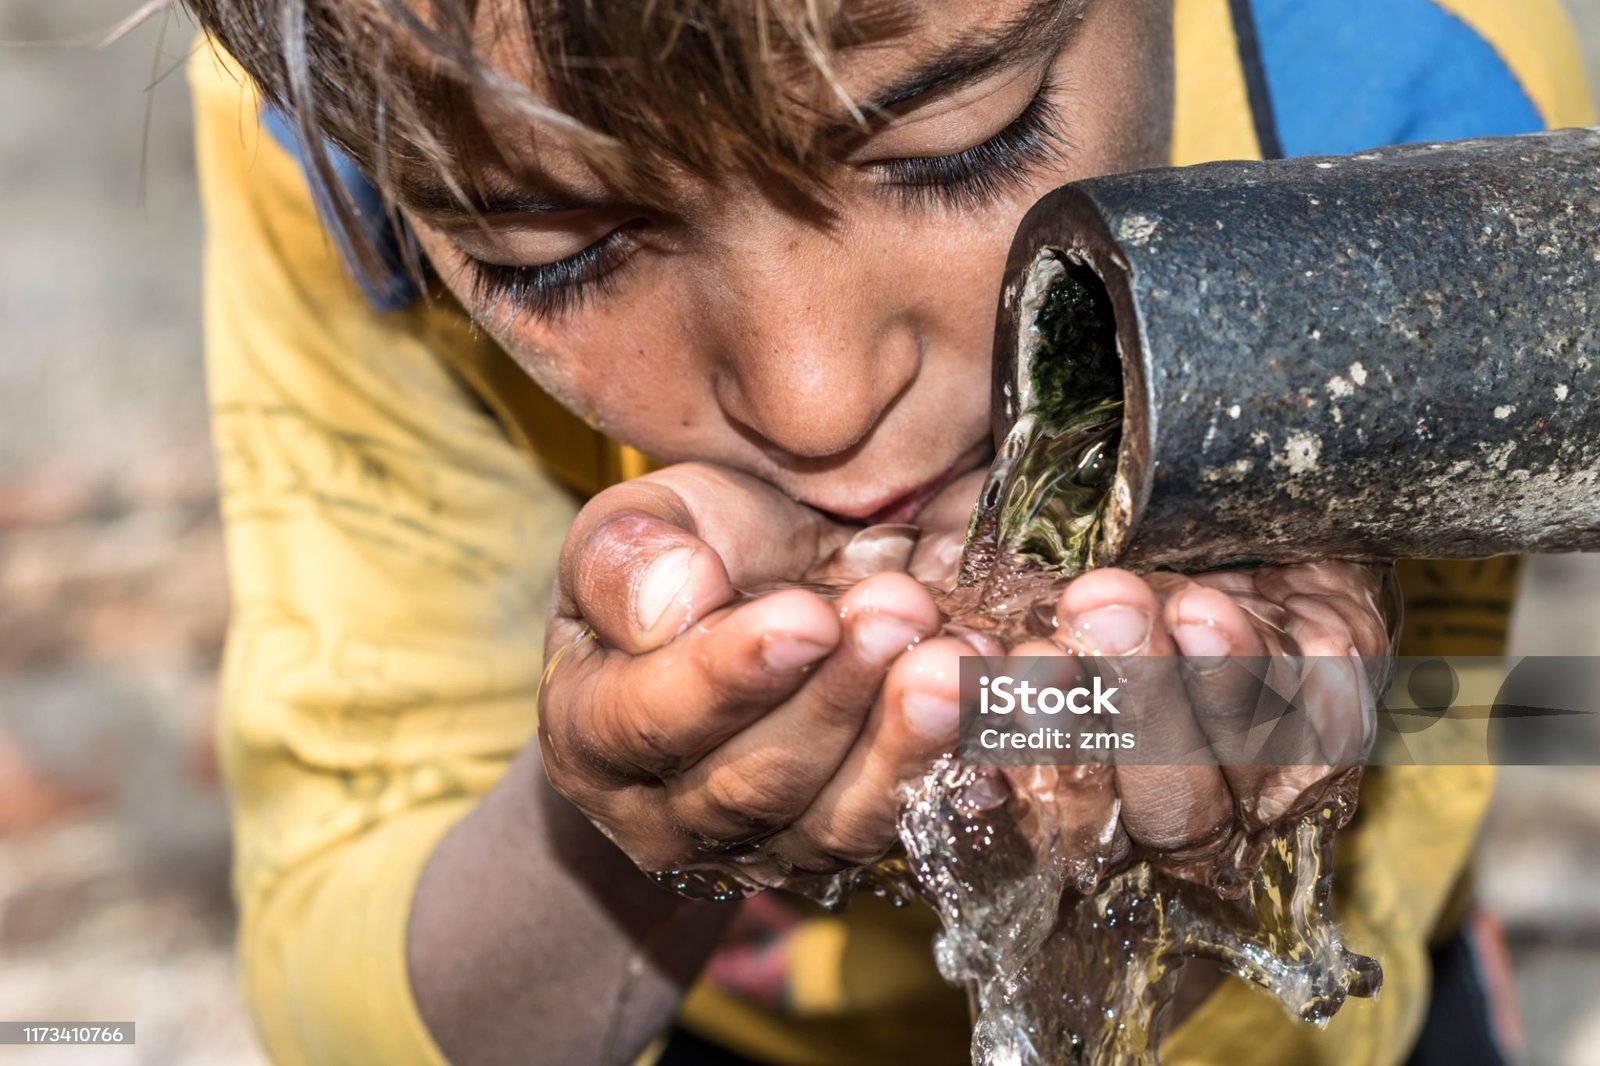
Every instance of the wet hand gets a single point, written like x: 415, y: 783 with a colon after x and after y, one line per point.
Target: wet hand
x: 1200, y: 643
x: 690, y: 722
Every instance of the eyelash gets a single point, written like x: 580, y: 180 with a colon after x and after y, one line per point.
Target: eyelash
x: 982, y: 174
x: 548, y: 290
x: 969, y: 179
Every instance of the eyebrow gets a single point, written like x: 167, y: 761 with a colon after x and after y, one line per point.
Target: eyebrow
x: 1042, y: 28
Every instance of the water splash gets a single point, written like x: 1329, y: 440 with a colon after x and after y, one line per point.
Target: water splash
x: 1073, y: 955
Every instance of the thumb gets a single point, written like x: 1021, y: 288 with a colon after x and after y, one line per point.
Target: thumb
x: 639, y: 581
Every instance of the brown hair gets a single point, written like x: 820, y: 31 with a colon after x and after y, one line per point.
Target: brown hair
x: 729, y: 83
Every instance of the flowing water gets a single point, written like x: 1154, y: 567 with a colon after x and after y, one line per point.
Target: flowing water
x: 1069, y: 937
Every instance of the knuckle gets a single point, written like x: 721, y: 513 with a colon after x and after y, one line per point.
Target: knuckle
x: 852, y: 840
x: 736, y: 801
x: 623, y: 726
x: 651, y: 750
x: 628, y: 740
x: 569, y: 749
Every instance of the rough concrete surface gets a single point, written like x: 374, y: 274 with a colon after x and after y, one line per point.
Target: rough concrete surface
x: 113, y: 835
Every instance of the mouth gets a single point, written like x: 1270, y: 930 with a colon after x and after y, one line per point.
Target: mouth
x: 903, y: 506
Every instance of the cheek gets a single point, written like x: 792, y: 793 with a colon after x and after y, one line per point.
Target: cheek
x: 626, y: 364
x: 958, y: 270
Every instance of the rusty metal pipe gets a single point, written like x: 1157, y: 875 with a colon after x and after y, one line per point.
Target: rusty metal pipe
x: 1384, y: 355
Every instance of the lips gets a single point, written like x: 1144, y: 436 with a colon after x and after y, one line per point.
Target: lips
x: 905, y: 506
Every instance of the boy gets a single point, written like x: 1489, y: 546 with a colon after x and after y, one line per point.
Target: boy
x: 762, y: 241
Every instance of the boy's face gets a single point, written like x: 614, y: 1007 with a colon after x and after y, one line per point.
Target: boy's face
x: 843, y: 357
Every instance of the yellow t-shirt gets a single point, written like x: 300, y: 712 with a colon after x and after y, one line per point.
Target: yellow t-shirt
x: 389, y: 487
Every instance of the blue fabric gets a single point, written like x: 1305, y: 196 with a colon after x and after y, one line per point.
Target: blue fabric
x: 394, y: 289
x: 1346, y: 75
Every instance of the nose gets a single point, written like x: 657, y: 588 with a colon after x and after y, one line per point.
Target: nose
x: 811, y: 347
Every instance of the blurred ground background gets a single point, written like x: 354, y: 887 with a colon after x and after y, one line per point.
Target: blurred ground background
x: 113, y: 838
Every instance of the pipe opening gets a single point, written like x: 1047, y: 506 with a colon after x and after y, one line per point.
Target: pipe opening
x: 1056, y: 469
x: 1075, y: 366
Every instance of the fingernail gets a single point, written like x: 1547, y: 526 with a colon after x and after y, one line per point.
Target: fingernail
x: 1205, y: 650
x: 935, y: 717
x: 661, y: 585
x: 1113, y: 630
x: 880, y: 639
x: 985, y: 645
x: 880, y: 548
x: 785, y: 655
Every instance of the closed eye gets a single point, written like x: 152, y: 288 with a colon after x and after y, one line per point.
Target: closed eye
x: 548, y: 290
x: 978, y: 176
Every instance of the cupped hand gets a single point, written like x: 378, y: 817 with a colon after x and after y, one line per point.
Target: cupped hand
x: 692, y: 722
x: 1210, y: 656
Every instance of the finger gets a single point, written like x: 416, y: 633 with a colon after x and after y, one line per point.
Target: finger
x: 874, y: 550
x: 913, y: 722
x: 629, y: 717
x: 1333, y: 692
x: 1359, y: 592
x: 1221, y: 671
x: 937, y: 559
x: 648, y: 556
x: 1079, y: 800
x: 761, y: 534
x: 639, y: 582
x: 763, y: 778
x: 1241, y: 698
x: 1340, y: 616
x: 1113, y: 614
x: 1244, y: 588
